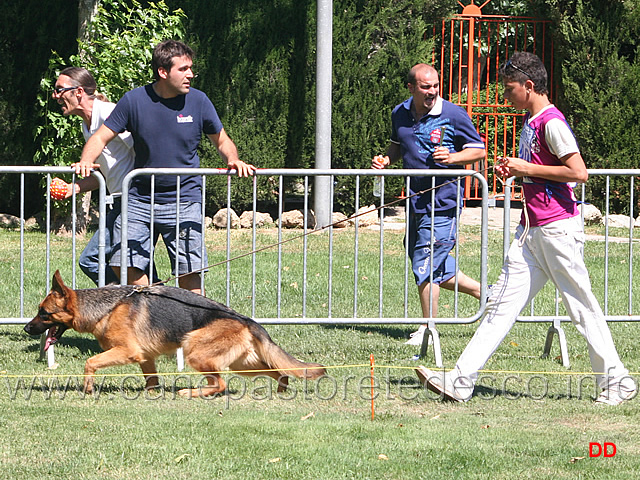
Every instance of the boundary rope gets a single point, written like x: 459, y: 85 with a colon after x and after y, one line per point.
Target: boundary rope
x: 5, y: 374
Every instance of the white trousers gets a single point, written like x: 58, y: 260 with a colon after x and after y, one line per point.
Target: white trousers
x: 550, y: 252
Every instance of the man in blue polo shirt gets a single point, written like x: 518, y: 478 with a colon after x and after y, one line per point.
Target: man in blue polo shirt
x: 432, y: 133
x: 166, y: 119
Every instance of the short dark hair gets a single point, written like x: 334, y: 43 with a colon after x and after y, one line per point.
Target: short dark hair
x: 164, y: 53
x: 523, y: 66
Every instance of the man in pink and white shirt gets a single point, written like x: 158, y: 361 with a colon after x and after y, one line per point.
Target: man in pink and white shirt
x: 548, y: 246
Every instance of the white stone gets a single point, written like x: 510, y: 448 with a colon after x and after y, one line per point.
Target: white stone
x: 295, y: 219
x: 8, y: 220
x: 220, y: 219
x: 618, y: 221
x: 338, y: 220
x: 262, y: 219
x: 366, y: 216
x: 592, y: 216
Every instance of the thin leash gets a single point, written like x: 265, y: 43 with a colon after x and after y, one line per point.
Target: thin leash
x: 316, y: 230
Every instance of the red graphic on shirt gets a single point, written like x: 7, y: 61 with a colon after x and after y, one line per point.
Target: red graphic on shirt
x: 436, y: 135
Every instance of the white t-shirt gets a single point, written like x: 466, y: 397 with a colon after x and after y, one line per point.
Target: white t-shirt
x: 116, y: 159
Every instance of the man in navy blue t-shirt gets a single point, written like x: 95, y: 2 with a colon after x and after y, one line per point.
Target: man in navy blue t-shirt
x: 166, y: 119
x: 429, y: 132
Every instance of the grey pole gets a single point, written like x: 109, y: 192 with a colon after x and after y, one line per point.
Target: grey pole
x: 322, y: 191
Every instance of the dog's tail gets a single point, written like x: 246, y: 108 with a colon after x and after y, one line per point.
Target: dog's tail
x: 286, y: 364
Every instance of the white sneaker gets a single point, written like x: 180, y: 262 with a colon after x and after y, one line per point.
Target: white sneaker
x: 416, y: 337
x: 618, y: 392
x: 448, y: 386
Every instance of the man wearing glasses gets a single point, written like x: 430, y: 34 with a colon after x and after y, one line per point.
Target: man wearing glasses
x: 75, y: 92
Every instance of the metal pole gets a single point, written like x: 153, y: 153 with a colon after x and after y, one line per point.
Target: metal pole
x: 324, y: 33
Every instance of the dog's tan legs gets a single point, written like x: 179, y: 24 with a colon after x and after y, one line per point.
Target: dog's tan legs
x: 150, y: 373
x: 200, y: 361
x: 283, y: 380
x: 283, y: 383
x: 203, y: 353
x: 114, y: 356
x: 215, y: 384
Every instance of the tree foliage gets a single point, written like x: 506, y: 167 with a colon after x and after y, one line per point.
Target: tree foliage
x: 266, y: 94
x: 117, y: 52
x: 27, y: 33
x: 597, y: 49
x: 256, y: 60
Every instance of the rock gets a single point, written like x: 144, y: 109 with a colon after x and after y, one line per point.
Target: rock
x: 366, y: 216
x: 338, y: 220
x: 7, y: 220
x: 262, y: 219
x: 592, y: 216
x: 11, y: 221
x: 295, y: 219
x: 220, y: 219
x: 31, y: 224
x: 618, y: 221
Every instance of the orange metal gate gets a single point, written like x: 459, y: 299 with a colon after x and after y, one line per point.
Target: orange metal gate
x: 470, y: 48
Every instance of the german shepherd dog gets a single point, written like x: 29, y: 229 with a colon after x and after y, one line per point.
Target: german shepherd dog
x: 137, y: 324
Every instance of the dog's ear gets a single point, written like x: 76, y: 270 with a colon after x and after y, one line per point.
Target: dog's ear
x: 57, y: 285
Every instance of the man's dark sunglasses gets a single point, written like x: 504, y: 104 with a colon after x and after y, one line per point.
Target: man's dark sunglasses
x: 60, y: 90
x: 514, y: 66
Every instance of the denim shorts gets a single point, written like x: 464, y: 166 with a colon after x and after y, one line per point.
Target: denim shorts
x: 190, y: 253
x: 89, y: 258
x: 423, y: 254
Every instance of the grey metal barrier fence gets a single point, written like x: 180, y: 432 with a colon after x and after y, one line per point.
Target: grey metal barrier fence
x: 330, y: 301
x: 303, y: 316
x: 282, y: 315
x: 19, y: 313
x: 558, y: 315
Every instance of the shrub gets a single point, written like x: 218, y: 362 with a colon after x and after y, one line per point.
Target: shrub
x: 601, y: 79
x: 118, y: 54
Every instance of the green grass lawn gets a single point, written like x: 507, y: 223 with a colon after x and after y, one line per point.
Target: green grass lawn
x: 537, y: 424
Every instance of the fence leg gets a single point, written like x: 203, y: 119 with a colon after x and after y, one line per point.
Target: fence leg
x: 51, y: 358
x: 432, y: 333
x: 43, y: 338
x: 556, y: 329
x: 180, y: 359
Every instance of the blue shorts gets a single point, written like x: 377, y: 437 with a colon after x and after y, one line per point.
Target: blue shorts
x: 89, y: 258
x: 190, y: 254
x: 421, y: 252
